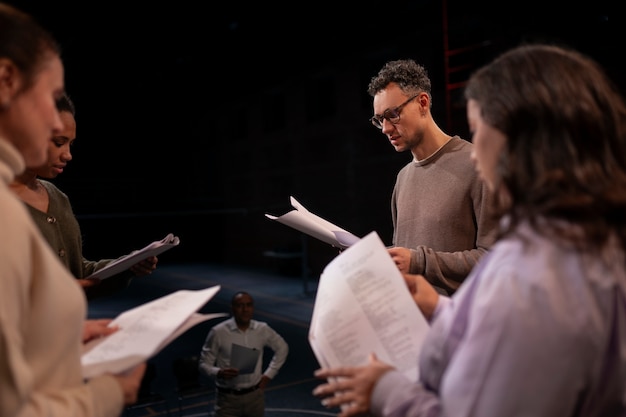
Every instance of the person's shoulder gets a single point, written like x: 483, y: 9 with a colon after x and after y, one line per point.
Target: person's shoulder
x: 406, y: 168
x: 58, y: 198
x: 529, y: 262
x: 456, y: 152
x: 53, y: 189
x: 15, y: 210
x: 527, y: 247
x: 257, y: 324
x: 224, y: 323
x: 17, y: 225
x: 458, y: 142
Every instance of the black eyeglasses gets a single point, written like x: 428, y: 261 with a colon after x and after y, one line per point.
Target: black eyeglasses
x: 393, y: 115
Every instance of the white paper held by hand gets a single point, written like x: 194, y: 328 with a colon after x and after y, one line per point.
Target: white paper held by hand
x: 145, y: 330
x: 362, y: 306
x: 125, y: 262
x: 311, y: 224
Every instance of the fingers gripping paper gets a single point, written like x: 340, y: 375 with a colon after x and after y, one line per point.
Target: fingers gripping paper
x: 145, y: 330
x: 363, y: 306
x: 122, y: 264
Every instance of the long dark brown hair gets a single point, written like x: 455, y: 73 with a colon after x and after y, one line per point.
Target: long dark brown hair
x: 565, y: 157
x: 26, y: 43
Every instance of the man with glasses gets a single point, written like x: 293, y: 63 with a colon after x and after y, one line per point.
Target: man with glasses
x: 440, y: 208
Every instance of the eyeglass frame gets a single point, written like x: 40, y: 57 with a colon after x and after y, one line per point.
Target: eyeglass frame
x: 377, y: 120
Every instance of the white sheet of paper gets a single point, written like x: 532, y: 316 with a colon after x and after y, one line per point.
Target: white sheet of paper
x: 362, y: 306
x: 145, y: 330
x: 125, y: 262
x: 306, y: 222
x: 243, y: 358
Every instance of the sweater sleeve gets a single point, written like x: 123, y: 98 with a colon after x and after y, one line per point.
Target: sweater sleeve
x: 441, y: 211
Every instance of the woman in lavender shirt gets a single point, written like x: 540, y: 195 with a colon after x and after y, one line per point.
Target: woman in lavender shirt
x: 539, y: 327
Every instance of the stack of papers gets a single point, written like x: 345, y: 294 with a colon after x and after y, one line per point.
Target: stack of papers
x: 125, y: 262
x: 363, y: 306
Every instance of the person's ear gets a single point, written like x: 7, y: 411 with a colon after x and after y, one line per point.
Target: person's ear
x: 9, y: 82
x: 424, y: 101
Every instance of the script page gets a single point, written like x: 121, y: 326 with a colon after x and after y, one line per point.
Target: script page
x: 125, y: 262
x: 145, y: 330
x: 311, y: 224
x: 363, y: 306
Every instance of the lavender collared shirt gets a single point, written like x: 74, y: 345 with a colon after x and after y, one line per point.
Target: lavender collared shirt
x: 537, y: 330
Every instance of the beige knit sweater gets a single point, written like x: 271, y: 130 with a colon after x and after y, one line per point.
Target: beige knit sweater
x: 42, y: 311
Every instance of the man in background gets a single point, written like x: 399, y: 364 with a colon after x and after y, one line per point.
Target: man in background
x: 227, y: 348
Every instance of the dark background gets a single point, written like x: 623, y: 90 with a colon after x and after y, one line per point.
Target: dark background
x: 197, y: 118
